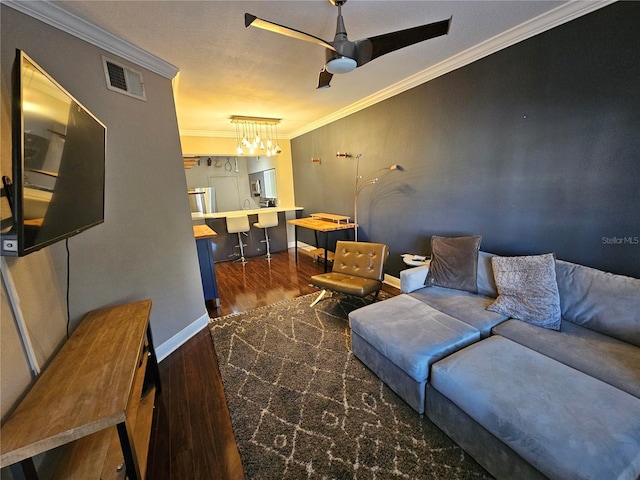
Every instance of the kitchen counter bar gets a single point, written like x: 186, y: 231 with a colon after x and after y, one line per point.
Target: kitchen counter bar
x: 253, y: 211
x: 225, y: 245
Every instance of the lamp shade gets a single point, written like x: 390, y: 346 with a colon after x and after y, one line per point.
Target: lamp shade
x: 341, y: 65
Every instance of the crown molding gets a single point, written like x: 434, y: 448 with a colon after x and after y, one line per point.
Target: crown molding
x: 553, y: 18
x: 55, y: 16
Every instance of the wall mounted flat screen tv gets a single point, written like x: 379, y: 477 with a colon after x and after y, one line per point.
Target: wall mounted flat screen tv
x: 58, y: 163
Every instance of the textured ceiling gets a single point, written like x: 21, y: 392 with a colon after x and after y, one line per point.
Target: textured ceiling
x: 227, y: 69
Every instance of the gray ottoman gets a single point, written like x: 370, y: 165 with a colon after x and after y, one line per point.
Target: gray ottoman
x: 399, y: 339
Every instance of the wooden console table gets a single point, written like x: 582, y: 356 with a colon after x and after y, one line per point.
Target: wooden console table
x: 321, y: 222
x: 94, y: 401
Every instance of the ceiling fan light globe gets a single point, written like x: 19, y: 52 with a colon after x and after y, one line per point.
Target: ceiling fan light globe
x: 341, y: 65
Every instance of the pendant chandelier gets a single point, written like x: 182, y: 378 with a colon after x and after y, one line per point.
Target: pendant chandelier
x: 257, y: 135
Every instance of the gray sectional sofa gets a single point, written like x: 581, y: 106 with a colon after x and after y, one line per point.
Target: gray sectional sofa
x: 525, y: 401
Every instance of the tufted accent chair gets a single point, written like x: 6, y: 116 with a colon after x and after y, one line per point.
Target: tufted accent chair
x: 358, y: 269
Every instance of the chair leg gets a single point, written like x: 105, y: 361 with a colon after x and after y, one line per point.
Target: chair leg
x: 266, y: 237
x: 241, y: 260
x: 318, y: 298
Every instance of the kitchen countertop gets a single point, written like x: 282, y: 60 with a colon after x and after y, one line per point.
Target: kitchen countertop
x: 253, y: 211
x: 203, y: 231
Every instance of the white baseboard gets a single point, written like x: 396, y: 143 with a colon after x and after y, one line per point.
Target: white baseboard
x: 390, y: 280
x: 175, y: 342
x: 301, y: 246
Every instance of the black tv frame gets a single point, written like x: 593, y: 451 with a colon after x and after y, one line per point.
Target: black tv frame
x: 63, y: 222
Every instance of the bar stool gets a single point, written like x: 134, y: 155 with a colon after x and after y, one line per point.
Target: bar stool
x: 239, y: 224
x: 267, y: 219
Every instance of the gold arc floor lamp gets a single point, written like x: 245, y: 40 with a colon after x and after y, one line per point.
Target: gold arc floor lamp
x: 364, y: 182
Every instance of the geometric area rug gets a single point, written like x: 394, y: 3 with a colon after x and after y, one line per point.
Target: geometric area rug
x: 302, y: 406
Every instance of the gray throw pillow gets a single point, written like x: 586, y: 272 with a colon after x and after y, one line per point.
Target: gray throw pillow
x: 454, y: 263
x: 527, y: 289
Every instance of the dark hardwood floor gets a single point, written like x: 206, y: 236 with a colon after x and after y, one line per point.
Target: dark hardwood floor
x: 192, y: 438
x: 192, y: 435
x: 261, y: 282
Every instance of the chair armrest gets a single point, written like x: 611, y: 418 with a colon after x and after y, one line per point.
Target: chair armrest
x: 413, y: 279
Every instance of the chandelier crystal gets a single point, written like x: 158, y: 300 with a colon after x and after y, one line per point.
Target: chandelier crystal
x: 256, y: 134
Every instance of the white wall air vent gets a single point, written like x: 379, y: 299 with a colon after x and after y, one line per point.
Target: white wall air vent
x: 123, y: 79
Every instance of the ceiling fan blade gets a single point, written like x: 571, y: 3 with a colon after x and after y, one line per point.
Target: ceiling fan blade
x: 252, y: 20
x: 374, y: 47
x: 324, y: 78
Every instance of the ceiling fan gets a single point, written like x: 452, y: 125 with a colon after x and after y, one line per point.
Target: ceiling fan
x: 342, y: 55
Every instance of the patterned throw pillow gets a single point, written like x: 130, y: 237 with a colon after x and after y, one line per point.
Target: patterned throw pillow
x: 527, y: 289
x: 454, y: 263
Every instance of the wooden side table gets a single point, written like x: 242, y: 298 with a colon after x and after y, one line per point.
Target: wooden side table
x: 321, y: 222
x: 95, y: 401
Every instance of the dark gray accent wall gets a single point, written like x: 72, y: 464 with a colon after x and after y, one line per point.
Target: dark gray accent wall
x: 536, y: 148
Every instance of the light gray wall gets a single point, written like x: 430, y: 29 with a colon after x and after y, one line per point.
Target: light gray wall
x: 145, y: 247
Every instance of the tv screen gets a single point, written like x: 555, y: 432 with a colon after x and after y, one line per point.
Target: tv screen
x: 59, y: 150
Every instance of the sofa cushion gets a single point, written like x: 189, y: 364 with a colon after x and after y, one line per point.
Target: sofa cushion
x: 410, y: 333
x: 605, y: 358
x: 454, y: 263
x: 563, y: 422
x: 468, y: 307
x: 600, y: 301
x: 527, y: 289
x: 486, y: 280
